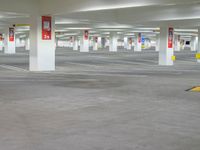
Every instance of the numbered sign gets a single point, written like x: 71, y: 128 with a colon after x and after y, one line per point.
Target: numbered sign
x: 46, y: 27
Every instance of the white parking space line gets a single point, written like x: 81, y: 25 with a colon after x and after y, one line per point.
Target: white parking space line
x: 13, y: 68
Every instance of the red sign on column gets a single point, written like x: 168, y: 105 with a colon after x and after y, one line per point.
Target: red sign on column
x: 86, y: 34
x: 11, y: 34
x: 139, y: 37
x: 170, y: 37
x: 46, y: 27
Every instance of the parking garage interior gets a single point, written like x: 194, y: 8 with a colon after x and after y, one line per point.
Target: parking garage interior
x: 99, y: 75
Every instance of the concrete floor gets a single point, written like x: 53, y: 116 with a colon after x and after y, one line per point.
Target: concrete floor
x: 100, y: 101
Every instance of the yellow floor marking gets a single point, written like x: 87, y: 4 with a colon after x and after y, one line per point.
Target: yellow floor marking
x: 173, y: 58
x: 196, y: 89
x: 198, y: 56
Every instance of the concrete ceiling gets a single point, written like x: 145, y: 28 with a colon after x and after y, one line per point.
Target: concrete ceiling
x: 104, y: 15
x: 143, y: 15
x: 67, y: 6
x: 127, y: 15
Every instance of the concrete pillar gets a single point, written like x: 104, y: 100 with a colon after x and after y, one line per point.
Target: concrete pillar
x: 103, y: 42
x: 1, y: 42
x: 27, y: 44
x: 42, y: 43
x: 71, y: 42
x: 95, y: 43
x: 177, y: 43
x: 99, y: 42
x: 75, y: 43
x: 198, y: 49
x: 138, y: 43
x: 113, y: 42
x: 125, y: 42
x: 91, y: 43
x: 84, y: 45
x: 56, y: 43
x: 130, y: 42
x: 1, y: 45
x: 9, y: 41
x: 194, y: 41
x: 166, y: 46
x: 157, y: 42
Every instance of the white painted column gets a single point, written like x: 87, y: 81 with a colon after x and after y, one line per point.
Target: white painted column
x: 9, y: 41
x: 177, y: 46
x: 130, y: 42
x: 113, y: 42
x: 27, y: 44
x: 125, y: 42
x: 90, y: 43
x: 84, y: 45
x: 157, y: 42
x: 95, y: 43
x: 75, y: 43
x: 1, y: 45
x: 103, y: 42
x: 198, y: 48
x: 166, y: 46
x: 71, y: 42
x: 69, y: 45
x: 99, y: 42
x: 138, y: 43
x: 1, y: 42
x: 194, y: 41
x: 107, y: 43
x: 56, y: 43
x: 42, y: 50
x: 178, y: 43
